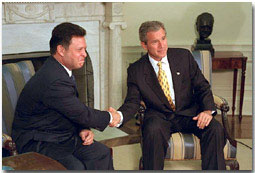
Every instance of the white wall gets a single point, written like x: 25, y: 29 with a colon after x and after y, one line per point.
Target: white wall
x: 232, y: 31
x: 233, y: 21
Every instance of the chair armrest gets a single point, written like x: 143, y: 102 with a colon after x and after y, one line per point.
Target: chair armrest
x: 9, y: 145
x: 141, y: 112
x: 222, y: 105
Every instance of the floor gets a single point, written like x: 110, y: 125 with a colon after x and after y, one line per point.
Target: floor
x: 241, y: 130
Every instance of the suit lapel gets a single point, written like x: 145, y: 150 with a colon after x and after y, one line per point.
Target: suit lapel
x: 152, y: 80
x: 176, y: 75
x: 75, y: 86
x: 65, y: 74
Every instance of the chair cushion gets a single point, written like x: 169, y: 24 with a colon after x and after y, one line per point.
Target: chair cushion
x: 15, y: 75
x: 186, y: 146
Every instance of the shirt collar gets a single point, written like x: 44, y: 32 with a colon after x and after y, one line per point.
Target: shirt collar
x: 154, y: 62
x: 67, y: 70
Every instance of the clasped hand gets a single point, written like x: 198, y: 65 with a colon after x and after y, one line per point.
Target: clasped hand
x: 203, y: 119
x: 87, y: 136
x: 115, y: 117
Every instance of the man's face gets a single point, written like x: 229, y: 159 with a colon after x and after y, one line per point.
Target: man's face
x: 74, y: 56
x: 156, y: 44
x: 204, y: 31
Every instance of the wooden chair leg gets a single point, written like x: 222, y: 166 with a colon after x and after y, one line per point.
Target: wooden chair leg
x: 141, y: 164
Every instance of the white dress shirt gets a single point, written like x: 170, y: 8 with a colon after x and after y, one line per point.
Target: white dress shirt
x: 67, y: 70
x: 166, y: 68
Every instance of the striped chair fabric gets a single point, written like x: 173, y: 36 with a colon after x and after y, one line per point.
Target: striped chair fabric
x: 185, y: 146
x: 15, y: 75
x: 204, y: 61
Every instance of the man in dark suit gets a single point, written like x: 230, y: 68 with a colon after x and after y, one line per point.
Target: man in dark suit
x: 184, y: 103
x: 49, y: 117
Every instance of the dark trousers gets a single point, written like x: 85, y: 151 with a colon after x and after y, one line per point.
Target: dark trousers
x: 75, y: 156
x: 156, y: 132
x: 91, y: 157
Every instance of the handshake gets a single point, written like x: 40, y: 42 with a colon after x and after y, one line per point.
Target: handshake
x: 116, y: 117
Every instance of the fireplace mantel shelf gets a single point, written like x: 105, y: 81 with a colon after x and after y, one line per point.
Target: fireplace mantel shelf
x: 26, y: 55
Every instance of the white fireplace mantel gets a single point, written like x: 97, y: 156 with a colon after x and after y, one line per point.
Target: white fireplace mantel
x: 27, y: 27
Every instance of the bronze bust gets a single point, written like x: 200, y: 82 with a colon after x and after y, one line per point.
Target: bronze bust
x: 204, y: 26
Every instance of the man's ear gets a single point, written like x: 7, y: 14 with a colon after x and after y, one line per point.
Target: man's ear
x: 60, y: 50
x: 144, y: 45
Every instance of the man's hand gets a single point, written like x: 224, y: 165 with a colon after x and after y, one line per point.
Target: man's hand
x: 115, y: 117
x: 203, y: 119
x: 87, y: 136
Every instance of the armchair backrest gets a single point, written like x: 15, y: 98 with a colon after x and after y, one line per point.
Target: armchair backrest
x: 15, y: 76
x: 204, y: 61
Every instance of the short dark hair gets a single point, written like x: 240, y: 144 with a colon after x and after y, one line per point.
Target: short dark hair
x: 62, y: 35
x: 147, y: 27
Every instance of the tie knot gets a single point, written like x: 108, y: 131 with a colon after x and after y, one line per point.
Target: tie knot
x: 73, y: 78
x: 159, y: 64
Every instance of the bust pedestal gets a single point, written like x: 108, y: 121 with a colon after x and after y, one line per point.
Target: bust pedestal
x: 203, y: 45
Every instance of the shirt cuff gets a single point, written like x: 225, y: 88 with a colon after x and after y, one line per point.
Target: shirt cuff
x: 110, y: 117
x: 121, y: 118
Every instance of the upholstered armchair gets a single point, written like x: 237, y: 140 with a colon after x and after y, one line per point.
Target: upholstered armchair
x: 14, y: 77
x: 183, y: 146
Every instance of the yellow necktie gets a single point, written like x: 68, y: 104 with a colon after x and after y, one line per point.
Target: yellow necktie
x: 162, y: 78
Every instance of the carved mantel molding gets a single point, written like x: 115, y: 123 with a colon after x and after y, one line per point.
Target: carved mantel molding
x: 28, y: 12
x: 112, y: 25
x: 46, y: 12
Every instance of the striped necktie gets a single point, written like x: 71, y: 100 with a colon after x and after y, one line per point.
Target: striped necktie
x: 162, y: 78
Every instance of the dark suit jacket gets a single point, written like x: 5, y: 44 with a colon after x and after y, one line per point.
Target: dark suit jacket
x: 192, y: 90
x: 49, y: 110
